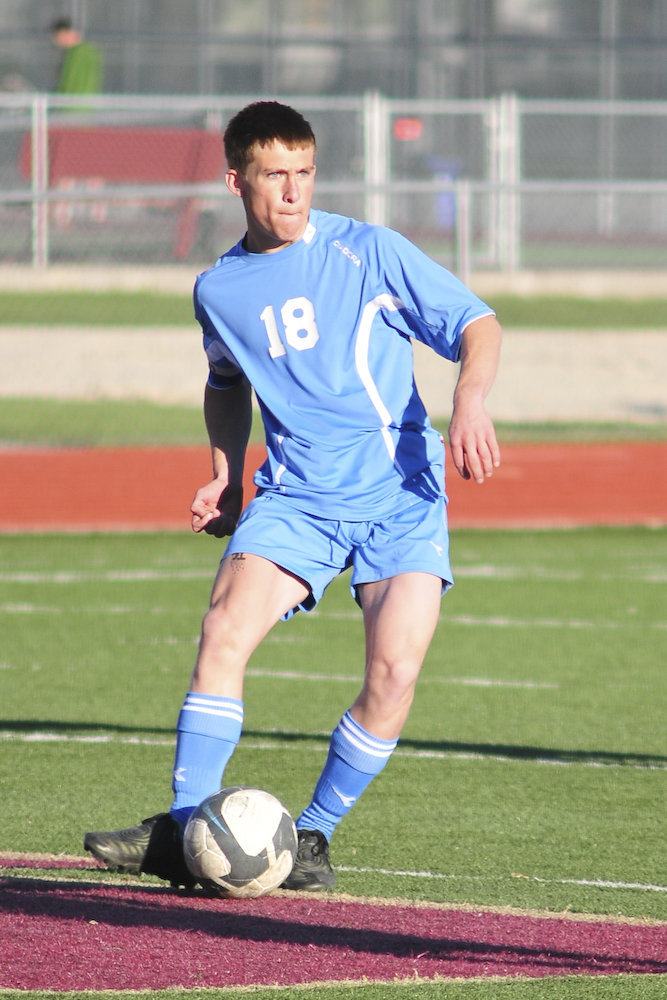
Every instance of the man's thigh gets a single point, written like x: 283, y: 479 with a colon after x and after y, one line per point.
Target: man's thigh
x: 255, y: 591
x: 314, y: 550
x: 400, y: 617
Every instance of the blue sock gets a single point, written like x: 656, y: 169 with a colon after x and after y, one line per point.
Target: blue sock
x: 209, y: 727
x: 355, y: 757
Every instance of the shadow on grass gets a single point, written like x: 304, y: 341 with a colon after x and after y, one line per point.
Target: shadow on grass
x: 505, y: 751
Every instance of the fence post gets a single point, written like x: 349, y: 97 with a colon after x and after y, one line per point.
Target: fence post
x: 509, y: 226
x: 39, y: 173
x: 463, y: 231
x: 376, y: 158
x: 492, y: 124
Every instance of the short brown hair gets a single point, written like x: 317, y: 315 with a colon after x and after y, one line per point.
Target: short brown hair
x: 261, y: 123
x: 61, y: 24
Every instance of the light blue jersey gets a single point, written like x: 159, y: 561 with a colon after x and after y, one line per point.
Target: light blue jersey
x: 322, y: 330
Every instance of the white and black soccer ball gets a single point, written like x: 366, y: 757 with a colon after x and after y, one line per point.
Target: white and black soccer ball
x: 242, y: 841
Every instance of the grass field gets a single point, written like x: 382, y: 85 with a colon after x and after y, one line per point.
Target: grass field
x: 123, y: 308
x: 557, y: 988
x: 531, y: 772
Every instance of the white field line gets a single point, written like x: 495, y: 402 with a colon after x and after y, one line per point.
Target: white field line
x: 490, y: 621
x: 355, y: 678
x: 67, y: 577
x: 8, y: 856
x: 425, y: 679
x: 594, y: 883
x: 655, y: 574
x: 271, y: 745
x: 483, y: 571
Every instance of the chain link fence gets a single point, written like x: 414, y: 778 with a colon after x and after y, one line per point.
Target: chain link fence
x: 500, y: 184
x: 566, y: 49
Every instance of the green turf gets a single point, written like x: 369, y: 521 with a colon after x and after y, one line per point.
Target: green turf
x: 550, y: 988
x: 549, y: 311
x: 90, y: 308
x: 533, y: 762
x: 50, y: 423
x: 125, y: 308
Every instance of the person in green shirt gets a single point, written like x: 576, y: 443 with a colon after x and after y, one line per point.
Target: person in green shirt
x: 81, y: 67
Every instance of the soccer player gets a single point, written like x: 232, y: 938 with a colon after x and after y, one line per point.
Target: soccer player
x: 316, y: 313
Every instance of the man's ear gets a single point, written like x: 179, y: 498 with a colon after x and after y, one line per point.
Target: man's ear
x: 234, y: 182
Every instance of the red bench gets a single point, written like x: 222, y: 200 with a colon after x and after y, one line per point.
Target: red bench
x: 134, y: 156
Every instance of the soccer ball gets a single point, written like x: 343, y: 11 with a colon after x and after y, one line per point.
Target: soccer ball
x: 242, y: 841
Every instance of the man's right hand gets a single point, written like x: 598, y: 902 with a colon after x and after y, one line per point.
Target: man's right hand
x: 216, y: 511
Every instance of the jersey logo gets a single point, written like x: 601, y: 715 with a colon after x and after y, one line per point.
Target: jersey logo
x: 347, y: 253
x: 438, y: 548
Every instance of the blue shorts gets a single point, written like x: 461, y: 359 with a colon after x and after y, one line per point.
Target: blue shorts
x: 413, y: 540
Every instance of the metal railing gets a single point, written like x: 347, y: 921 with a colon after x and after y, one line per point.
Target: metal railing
x: 502, y: 184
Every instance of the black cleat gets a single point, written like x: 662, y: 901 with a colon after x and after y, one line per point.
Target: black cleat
x: 312, y: 871
x: 155, y: 847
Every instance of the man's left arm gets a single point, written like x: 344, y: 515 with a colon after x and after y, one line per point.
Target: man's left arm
x: 472, y: 436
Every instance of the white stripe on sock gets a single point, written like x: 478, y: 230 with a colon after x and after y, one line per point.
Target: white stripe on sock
x: 362, y: 740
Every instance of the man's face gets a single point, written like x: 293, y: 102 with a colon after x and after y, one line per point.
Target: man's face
x: 65, y: 38
x: 277, y: 190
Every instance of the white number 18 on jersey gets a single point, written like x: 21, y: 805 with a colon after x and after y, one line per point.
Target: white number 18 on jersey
x: 298, y: 316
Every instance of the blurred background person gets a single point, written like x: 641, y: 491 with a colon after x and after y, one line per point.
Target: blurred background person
x: 81, y: 69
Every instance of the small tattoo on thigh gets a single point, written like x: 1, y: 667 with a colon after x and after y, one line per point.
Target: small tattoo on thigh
x: 237, y: 560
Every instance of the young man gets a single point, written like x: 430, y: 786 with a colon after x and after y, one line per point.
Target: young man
x: 315, y: 312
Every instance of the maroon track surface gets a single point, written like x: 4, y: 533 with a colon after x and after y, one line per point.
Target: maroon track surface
x: 78, y: 936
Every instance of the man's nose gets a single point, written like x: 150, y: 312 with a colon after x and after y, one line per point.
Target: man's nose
x: 291, y: 192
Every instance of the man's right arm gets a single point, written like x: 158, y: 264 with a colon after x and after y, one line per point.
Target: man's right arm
x: 228, y: 415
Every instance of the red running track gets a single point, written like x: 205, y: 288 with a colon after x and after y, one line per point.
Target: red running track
x: 545, y: 485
